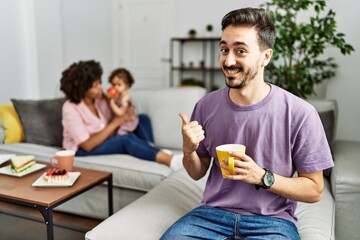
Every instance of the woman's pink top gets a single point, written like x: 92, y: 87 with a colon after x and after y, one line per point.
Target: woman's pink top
x: 79, y: 122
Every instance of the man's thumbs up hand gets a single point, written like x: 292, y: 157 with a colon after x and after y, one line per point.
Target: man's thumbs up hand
x: 184, y: 119
x: 192, y: 134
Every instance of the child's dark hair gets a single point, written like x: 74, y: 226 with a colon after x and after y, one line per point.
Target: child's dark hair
x: 123, y: 74
x: 77, y: 79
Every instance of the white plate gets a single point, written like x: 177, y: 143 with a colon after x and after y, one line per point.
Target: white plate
x: 40, y: 182
x: 7, y: 170
x: 5, y: 157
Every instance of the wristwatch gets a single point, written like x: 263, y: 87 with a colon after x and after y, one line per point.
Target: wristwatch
x: 267, y: 180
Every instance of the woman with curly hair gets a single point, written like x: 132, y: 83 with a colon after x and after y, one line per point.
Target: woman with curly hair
x: 89, y: 127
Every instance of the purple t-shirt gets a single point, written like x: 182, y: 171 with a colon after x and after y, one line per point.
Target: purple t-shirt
x: 282, y: 133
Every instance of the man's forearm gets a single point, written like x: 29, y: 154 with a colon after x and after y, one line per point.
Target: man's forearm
x: 195, y: 167
x: 303, y: 188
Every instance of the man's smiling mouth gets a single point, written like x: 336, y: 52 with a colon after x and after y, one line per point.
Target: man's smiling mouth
x: 233, y: 69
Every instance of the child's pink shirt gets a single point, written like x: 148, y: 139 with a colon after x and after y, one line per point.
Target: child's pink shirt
x: 80, y: 123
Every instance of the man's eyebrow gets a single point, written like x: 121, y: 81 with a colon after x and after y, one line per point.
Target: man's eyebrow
x: 238, y: 43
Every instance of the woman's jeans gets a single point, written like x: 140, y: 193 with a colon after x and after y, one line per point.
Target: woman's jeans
x: 206, y: 222
x: 144, y: 130
x: 135, y: 144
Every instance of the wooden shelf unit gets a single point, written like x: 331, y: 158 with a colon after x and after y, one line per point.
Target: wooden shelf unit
x: 207, y: 69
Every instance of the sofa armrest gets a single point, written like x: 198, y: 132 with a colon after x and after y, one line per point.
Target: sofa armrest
x: 345, y: 182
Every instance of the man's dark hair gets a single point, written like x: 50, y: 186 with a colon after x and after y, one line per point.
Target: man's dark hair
x: 253, y: 17
x: 77, y: 79
x: 123, y: 74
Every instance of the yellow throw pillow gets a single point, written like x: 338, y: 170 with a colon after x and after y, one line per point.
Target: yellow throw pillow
x: 10, y: 120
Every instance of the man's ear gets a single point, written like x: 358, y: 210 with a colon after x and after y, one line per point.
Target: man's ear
x: 267, y: 57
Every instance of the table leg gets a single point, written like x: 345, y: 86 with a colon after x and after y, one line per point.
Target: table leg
x: 110, y: 195
x: 46, y: 212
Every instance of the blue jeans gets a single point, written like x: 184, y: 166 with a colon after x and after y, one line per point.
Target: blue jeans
x: 144, y: 130
x: 127, y: 144
x: 206, y: 222
x: 135, y: 144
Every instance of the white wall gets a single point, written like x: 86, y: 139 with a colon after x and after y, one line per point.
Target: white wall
x: 40, y: 38
x: 87, y: 31
x: 18, y: 65
x: 345, y: 87
x: 49, y: 41
x: 69, y: 31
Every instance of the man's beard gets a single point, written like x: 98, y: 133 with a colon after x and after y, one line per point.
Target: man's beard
x: 247, y: 75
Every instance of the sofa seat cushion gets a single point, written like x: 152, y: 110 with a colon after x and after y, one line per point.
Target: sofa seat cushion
x: 41, y: 153
x: 317, y: 220
x: 148, y: 217
x: 128, y: 172
x: 156, y: 211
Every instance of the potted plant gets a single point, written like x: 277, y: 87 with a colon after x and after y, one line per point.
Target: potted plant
x: 186, y: 82
x: 192, y: 33
x: 209, y: 29
x: 298, y: 60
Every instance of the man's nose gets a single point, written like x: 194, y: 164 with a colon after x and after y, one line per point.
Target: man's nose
x: 230, y: 60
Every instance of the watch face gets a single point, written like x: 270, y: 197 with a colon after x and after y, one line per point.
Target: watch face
x: 269, y: 179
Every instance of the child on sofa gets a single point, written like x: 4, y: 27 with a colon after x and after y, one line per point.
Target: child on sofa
x: 120, y: 101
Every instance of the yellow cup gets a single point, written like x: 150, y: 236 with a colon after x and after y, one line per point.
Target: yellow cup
x: 222, y: 152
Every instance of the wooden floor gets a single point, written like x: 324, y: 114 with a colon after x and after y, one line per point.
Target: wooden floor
x: 17, y: 222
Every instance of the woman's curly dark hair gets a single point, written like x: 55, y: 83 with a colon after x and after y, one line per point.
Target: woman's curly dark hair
x: 123, y: 74
x: 77, y: 79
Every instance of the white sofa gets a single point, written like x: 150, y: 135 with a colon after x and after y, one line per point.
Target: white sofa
x: 132, y: 177
x: 149, y: 197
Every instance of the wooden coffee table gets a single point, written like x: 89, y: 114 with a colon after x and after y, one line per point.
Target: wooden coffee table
x: 19, y: 190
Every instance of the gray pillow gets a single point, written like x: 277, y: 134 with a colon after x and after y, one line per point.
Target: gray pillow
x: 41, y: 120
x: 328, y: 122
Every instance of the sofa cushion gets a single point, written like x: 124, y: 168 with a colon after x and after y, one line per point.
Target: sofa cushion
x: 163, y: 107
x: 328, y: 121
x: 41, y: 152
x: 41, y: 120
x: 328, y: 112
x: 156, y: 211
x: 128, y: 171
x: 11, y: 125
x: 317, y: 220
x: 345, y: 187
x: 148, y: 217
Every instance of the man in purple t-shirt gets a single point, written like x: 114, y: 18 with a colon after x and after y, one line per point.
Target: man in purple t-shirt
x: 282, y: 133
